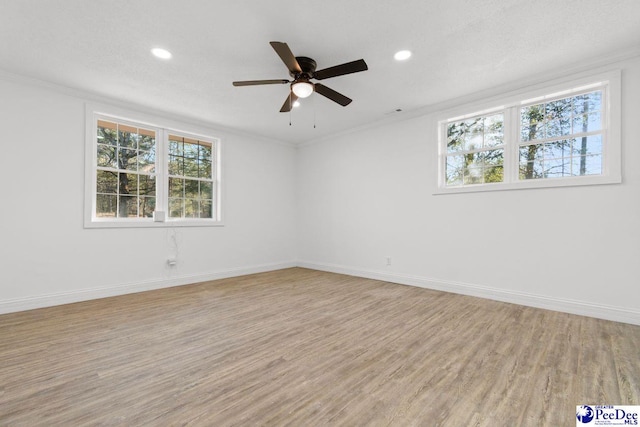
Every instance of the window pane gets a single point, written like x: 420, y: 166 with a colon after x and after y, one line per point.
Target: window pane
x: 206, y: 189
x: 107, y: 156
x: 190, y: 167
x: 106, y: 205
x: 474, y: 134
x: 493, y: 130
x: 493, y: 139
x: 191, y: 208
x: 206, y: 209
x: 176, y: 208
x: 587, y: 103
x: 531, y: 152
x: 557, y: 167
x: 587, y: 165
x: 587, y: 145
x: 204, y: 170
x: 454, y: 170
x: 147, y: 140
x: 473, y: 160
x: 531, y: 161
x: 175, y: 147
x: 587, y: 122
x: 205, y: 153
x: 473, y: 175
x: 106, y: 182
x: 176, y: 187
x: 147, y: 161
x: 147, y: 185
x: 128, y: 206
x: 559, y: 110
x: 107, y: 133
x: 191, y: 150
x: 191, y: 189
x: 532, y: 122
x: 557, y: 149
x: 494, y: 174
x: 127, y: 159
x: 557, y: 128
x: 146, y: 206
x: 127, y: 183
x: 531, y: 170
x: 127, y: 136
x: 176, y: 165
x: 492, y: 157
x: 455, y: 137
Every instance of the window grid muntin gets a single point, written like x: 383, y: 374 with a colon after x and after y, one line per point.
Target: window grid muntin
x: 512, y: 133
x: 583, y: 158
x: 126, y: 139
x: 160, y: 203
x: 471, y: 172
x: 180, y: 151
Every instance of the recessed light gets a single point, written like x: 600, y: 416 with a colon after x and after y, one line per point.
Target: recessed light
x: 161, y: 53
x: 402, y: 55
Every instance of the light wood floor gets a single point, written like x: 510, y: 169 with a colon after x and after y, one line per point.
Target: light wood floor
x: 303, y: 348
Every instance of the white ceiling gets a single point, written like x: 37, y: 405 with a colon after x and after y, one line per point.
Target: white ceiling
x: 459, y: 47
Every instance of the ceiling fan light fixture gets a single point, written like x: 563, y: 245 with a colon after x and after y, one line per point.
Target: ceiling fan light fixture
x: 402, y: 55
x: 161, y: 53
x: 302, y: 89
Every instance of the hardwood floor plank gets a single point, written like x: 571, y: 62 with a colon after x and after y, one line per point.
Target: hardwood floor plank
x: 302, y: 347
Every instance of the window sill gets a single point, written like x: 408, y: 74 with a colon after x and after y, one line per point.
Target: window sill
x: 530, y: 184
x: 144, y: 223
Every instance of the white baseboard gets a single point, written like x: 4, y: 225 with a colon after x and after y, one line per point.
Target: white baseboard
x: 617, y: 314
x: 49, y: 300
x: 606, y: 312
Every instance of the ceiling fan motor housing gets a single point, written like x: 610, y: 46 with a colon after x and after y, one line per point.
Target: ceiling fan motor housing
x: 308, y: 67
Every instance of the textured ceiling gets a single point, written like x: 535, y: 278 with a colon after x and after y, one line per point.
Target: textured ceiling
x: 459, y: 47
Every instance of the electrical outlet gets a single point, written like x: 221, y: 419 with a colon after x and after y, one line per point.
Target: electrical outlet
x: 388, y: 260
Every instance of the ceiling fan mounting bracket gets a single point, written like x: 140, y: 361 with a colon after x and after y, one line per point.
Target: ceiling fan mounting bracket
x: 308, y: 67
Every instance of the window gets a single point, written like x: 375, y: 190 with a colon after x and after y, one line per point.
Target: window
x: 190, y: 178
x: 475, y: 150
x: 562, y: 137
x: 125, y: 171
x: 144, y: 175
x: 569, y: 137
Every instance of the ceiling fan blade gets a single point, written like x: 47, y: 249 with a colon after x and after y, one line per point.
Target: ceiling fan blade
x: 288, y: 103
x: 332, y: 94
x: 260, y: 82
x: 342, y: 69
x: 289, y: 59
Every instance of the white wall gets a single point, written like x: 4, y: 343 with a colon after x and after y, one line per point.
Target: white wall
x: 47, y: 257
x: 367, y: 195
x: 341, y: 205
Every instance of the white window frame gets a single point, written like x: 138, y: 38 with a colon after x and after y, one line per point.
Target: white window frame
x: 609, y: 83
x: 163, y: 127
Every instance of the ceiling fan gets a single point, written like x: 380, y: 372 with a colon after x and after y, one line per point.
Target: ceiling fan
x: 303, y: 69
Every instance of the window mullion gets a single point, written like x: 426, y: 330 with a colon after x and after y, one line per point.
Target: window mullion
x: 511, y: 136
x: 161, y: 171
